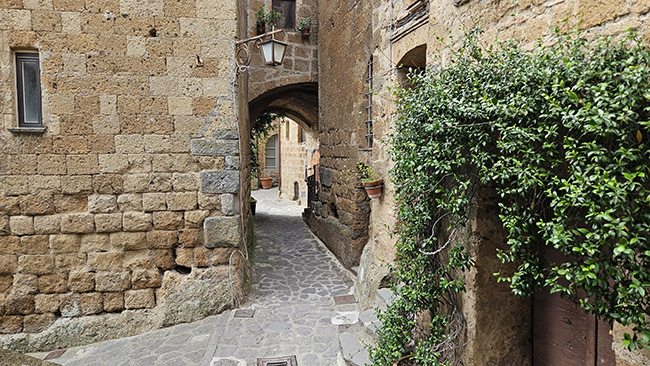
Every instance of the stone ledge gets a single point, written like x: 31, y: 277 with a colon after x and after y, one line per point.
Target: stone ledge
x: 183, y: 299
x: 11, y: 358
x: 27, y: 129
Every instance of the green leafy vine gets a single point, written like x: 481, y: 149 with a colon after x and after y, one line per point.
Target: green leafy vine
x: 561, y: 134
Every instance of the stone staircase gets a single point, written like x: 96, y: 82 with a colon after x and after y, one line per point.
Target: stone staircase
x: 353, y: 342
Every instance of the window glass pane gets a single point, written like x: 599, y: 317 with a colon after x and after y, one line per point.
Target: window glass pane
x: 31, y: 92
x: 270, y: 163
x: 288, y: 10
x: 271, y: 153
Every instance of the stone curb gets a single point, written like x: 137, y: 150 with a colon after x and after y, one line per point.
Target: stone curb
x: 11, y: 358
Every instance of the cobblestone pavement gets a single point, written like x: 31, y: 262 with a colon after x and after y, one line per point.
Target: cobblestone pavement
x: 295, y: 279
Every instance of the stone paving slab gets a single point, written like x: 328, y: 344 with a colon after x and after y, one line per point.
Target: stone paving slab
x: 295, y: 281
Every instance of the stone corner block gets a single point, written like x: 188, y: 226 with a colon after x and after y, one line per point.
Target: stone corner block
x: 219, y: 181
x: 232, y: 163
x: 221, y: 232
x: 214, y: 147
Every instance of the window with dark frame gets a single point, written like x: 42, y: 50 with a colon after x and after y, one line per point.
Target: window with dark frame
x: 28, y: 88
x: 288, y: 10
x: 302, y: 135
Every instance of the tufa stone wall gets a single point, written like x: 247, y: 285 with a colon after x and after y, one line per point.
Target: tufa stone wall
x: 389, y: 31
x: 135, y: 181
x: 341, y: 217
x: 300, y: 61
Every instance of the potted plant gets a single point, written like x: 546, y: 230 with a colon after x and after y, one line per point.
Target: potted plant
x: 371, y: 182
x: 267, y: 182
x: 272, y: 18
x: 305, y: 25
x: 259, y: 131
x: 263, y: 19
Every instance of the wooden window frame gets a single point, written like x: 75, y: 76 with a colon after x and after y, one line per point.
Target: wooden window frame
x: 21, y: 58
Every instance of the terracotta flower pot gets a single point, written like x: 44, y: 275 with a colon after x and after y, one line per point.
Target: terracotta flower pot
x: 374, y: 188
x: 305, y: 32
x: 267, y: 182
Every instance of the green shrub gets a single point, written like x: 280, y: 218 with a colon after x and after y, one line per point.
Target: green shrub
x: 561, y: 133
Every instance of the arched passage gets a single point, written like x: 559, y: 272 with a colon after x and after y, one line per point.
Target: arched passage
x: 297, y: 136
x: 297, y: 101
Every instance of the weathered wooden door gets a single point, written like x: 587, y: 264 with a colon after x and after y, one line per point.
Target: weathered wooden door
x: 564, y: 335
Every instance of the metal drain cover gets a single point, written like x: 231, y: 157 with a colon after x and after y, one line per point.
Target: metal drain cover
x: 344, y: 299
x: 244, y: 313
x: 278, y: 361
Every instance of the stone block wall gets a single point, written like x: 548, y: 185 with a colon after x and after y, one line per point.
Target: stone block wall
x: 296, y: 157
x: 341, y: 217
x: 136, y: 174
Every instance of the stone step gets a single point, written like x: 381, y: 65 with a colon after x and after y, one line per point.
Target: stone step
x: 353, y: 341
x: 353, y: 350
x: 383, y: 298
x: 369, y: 322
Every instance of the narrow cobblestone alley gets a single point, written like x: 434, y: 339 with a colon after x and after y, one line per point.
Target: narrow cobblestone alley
x: 295, y: 281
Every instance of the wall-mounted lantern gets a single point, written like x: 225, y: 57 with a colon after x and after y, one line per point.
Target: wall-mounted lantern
x: 272, y: 50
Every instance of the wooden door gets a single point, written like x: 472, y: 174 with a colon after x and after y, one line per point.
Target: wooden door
x: 564, y: 335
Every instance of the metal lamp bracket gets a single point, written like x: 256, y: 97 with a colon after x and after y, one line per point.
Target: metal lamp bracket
x: 243, y: 52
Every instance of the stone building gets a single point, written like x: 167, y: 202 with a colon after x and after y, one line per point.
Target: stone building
x: 289, y: 155
x: 125, y: 166
x: 119, y: 167
x: 382, y: 39
x: 298, y: 156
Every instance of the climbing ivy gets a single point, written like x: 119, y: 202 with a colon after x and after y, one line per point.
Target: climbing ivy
x: 561, y: 133
x: 260, y: 129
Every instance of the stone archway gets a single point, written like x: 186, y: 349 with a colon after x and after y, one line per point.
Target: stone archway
x: 297, y: 101
x: 297, y: 134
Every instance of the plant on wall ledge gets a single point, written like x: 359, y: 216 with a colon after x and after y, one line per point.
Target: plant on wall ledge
x: 362, y: 172
x: 370, y: 180
x: 562, y: 133
x: 305, y: 25
x: 260, y: 20
x: 264, y: 22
